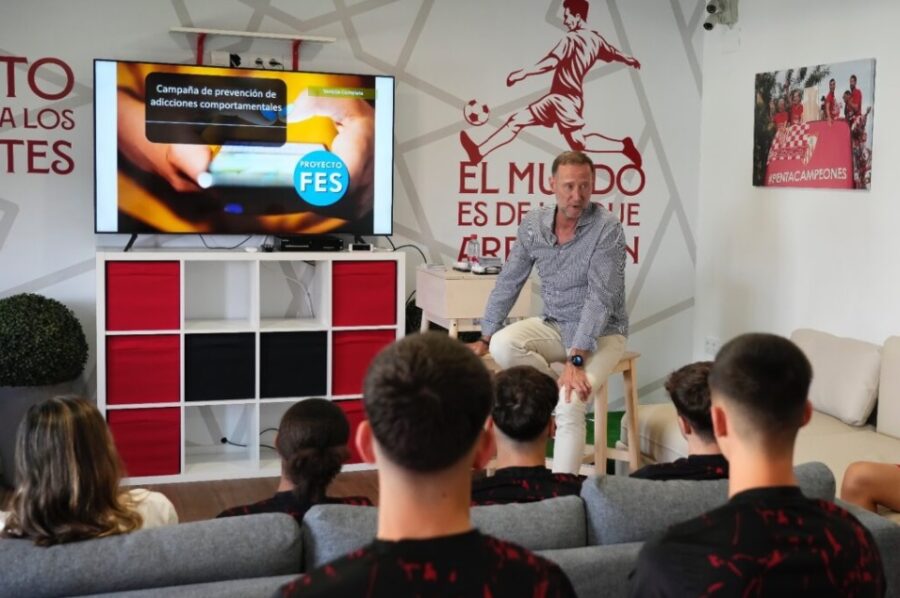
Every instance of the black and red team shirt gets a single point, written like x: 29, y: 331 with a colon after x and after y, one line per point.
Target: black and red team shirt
x: 763, y: 542
x: 470, y: 564
x: 524, y: 484
x: 287, y: 502
x: 695, y: 467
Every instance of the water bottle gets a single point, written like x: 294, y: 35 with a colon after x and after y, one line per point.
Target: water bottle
x: 472, y: 250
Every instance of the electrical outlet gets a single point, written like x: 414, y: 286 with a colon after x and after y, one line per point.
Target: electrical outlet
x: 248, y: 60
x: 711, y: 347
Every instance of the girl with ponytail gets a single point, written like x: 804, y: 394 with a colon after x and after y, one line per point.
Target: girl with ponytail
x: 312, y: 443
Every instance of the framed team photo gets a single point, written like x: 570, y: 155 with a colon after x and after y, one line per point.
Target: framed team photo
x: 813, y: 126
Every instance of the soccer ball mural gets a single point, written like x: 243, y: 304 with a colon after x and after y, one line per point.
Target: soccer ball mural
x: 476, y: 113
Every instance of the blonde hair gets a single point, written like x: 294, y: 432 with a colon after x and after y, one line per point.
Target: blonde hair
x: 571, y: 157
x: 68, y: 474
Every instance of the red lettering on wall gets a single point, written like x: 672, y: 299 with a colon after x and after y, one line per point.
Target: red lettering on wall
x: 634, y: 249
x: 490, y: 246
x: 465, y: 216
x: 32, y: 78
x: 10, y: 145
x: 11, y: 62
x: 466, y: 173
x: 527, y: 175
x: 37, y: 150
x: 65, y: 164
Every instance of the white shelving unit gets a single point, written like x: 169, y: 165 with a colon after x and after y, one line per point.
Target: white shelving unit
x: 200, y: 352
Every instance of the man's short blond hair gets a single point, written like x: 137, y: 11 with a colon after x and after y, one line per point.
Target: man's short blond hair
x: 576, y: 158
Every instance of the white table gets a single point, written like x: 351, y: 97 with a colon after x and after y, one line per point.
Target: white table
x: 456, y: 300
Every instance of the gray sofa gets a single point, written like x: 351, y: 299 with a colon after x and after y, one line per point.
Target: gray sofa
x: 594, y: 538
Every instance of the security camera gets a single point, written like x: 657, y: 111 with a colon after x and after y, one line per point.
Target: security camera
x: 721, y: 12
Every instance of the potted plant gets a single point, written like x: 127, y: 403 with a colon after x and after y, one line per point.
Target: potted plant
x: 43, y: 351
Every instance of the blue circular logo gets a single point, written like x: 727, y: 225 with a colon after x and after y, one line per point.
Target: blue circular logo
x: 321, y: 178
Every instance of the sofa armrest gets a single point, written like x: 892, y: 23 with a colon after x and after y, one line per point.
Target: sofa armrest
x: 188, y: 553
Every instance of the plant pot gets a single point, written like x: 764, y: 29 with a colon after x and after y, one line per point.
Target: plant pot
x: 14, y: 404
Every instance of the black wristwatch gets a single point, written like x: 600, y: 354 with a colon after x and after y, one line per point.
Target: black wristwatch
x: 576, y: 360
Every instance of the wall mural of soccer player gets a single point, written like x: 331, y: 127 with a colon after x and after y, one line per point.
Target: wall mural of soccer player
x: 570, y: 60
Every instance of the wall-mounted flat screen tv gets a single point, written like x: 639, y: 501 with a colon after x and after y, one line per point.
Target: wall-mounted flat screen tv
x: 202, y: 149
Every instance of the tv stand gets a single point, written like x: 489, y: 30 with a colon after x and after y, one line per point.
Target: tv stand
x: 195, y: 345
x: 130, y: 242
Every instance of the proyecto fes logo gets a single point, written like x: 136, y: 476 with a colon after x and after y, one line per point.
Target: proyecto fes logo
x: 321, y: 178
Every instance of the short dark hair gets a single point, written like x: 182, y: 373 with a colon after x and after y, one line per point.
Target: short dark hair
x: 312, y: 443
x: 427, y: 397
x: 688, y: 387
x: 524, y: 402
x: 571, y: 157
x: 767, y: 377
x: 577, y: 7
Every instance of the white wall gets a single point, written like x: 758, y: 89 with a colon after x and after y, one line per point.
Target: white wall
x: 778, y: 259
x: 442, y: 55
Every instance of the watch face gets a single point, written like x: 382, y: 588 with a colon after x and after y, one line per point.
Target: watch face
x: 577, y: 360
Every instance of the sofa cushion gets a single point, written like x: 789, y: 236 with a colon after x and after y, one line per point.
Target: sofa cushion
x: 600, y: 571
x: 889, y: 389
x: 189, y: 553
x: 331, y: 531
x: 621, y: 509
x: 845, y: 374
x: 551, y: 524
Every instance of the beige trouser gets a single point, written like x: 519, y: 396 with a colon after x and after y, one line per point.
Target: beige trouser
x: 538, y: 343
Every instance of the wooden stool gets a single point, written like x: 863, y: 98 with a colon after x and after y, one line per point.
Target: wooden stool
x: 627, y: 366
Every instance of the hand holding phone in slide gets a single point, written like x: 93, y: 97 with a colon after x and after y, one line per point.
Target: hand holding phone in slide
x: 354, y: 120
x: 179, y: 164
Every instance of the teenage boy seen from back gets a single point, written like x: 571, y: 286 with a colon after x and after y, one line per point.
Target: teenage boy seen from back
x: 427, y: 398
x: 688, y: 388
x: 768, y: 539
x: 522, y: 420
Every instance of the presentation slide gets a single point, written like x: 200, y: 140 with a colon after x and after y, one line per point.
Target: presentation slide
x: 198, y: 149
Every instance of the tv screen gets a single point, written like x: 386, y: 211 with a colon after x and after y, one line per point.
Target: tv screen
x: 201, y: 149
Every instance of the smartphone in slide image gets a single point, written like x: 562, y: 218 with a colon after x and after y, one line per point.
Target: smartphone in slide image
x: 255, y: 165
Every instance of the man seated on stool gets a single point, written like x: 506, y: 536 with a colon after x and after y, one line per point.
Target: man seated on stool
x: 427, y: 400
x: 688, y: 388
x: 522, y: 421
x: 768, y: 539
x: 578, y: 248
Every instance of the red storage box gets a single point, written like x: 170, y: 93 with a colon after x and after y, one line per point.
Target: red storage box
x: 148, y: 440
x: 355, y: 413
x: 143, y: 296
x: 364, y: 293
x: 352, y: 351
x: 143, y: 369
